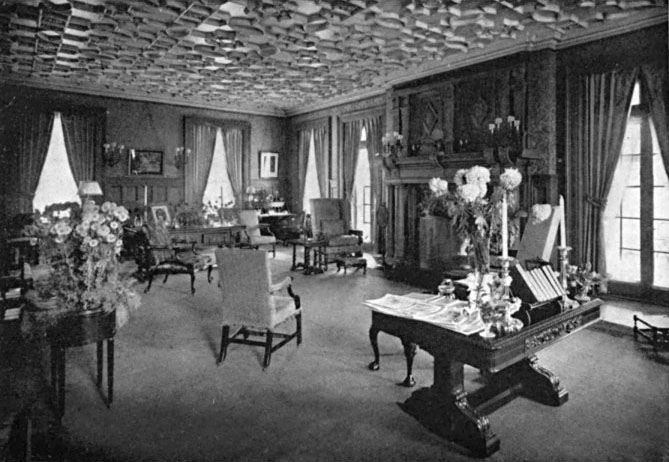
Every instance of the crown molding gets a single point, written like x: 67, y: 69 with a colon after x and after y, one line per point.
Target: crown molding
x: 336, y: 101
x: 107, y: 93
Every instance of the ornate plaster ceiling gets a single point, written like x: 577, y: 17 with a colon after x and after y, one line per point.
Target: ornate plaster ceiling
x: 271, y: 55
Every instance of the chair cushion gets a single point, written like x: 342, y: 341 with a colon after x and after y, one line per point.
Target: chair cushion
x: 260, y: 240
x: 332, y: 227
x: 345, y: 240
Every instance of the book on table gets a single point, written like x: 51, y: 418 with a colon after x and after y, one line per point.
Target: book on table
x: 434, y: 309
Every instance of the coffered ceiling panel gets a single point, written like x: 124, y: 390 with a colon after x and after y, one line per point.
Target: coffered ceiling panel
x: 276, y: 56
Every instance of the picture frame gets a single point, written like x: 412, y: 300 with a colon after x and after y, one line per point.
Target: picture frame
x: 141, y: 162
x: 161, y: 213
x: 269, y: 164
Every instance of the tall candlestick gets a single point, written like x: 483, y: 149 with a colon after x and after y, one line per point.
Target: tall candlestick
x: 563, y: 225
x: 505, y: 228
x: 146, y: 196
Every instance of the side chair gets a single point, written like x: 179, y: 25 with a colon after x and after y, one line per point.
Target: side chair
x: 251, y: 305
x: 256, y: 233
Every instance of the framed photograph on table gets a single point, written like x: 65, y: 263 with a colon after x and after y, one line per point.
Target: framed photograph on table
x: 269, y: 164
x: 145, y: 162
x: 161, y: 214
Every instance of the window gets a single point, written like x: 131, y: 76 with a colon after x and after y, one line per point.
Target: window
x: 361, y: 203
x: 219, y: 188
x: 56, y: 182
x: 311, y: 188
x: 636, y: 216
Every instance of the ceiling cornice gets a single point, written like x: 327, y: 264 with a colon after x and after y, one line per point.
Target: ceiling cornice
x: 108, y: 93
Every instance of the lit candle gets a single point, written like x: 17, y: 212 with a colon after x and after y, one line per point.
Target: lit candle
x: 563, y: 225
x: 146, y: 196
x: 505, y: 228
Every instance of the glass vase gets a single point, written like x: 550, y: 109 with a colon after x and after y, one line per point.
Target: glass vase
x: 481, y: 253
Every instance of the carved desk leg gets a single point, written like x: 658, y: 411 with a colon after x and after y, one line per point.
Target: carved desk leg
x: 409, y: 353
x: 540, y: 384
x: 373, y: 338
x: 445, y: 410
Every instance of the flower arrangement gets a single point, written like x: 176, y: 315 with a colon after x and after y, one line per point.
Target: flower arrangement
x: 474, y: 209
x: 79, y: 249
x: 582, y: 279
x: 392, y: 142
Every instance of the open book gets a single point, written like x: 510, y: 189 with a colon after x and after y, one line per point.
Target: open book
x: 434, y: 309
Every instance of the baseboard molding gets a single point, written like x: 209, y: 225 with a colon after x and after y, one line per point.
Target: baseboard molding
x: 611, y: 328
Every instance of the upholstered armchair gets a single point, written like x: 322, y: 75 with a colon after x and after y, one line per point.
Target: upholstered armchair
x: 330, y: 220
x: 252, y: 305
x: 256, y: 233
x: 156, y: 254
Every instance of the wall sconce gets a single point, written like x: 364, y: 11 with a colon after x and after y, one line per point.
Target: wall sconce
x: 506, y: 138
x: 181, y: 155
x: 113, y: 153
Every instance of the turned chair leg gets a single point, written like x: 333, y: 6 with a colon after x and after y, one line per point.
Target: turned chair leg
x: 225, y: 333
x: 268, y: 349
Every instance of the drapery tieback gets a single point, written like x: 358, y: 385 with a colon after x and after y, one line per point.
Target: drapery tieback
x: 595, y: 201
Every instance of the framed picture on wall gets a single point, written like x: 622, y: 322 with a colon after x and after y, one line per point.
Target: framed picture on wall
x: 269, y: 164
x: 145, y: 162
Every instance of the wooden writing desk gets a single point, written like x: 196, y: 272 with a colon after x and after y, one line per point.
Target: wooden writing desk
x: 509, y: 363
x: 217, y: 235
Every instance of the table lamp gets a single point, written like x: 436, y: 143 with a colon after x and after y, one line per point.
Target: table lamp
x: 88, y: 189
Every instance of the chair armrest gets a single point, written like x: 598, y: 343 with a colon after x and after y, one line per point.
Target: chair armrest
x: 283, y: 284
x: 355, y: 232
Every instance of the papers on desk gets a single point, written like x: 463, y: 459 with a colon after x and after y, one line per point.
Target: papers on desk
x: 434, y: 309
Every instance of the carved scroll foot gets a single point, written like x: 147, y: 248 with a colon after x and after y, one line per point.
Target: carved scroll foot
x: 453, y: 418
x: 540, y: 384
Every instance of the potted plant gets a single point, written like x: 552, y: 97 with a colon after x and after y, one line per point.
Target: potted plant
x: 79, y: 273
x: 582, y: 280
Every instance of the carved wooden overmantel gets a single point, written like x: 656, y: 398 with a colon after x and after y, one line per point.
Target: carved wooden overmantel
x: 445, y: 123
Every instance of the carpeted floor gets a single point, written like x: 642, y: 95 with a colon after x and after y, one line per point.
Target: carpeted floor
x: 319, y: 401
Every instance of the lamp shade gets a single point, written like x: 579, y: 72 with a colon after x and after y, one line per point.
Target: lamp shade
x: 89, y: 188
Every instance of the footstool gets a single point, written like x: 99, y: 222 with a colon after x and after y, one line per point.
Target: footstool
x: 656, y: 329
x: 355, y: 262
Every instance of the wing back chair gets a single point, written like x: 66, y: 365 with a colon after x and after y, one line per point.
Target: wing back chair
x: 330, y: 220
x: 251, y: 303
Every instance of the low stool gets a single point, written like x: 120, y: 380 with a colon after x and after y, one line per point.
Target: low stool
x: 655, y: 329
x: 354, y: 262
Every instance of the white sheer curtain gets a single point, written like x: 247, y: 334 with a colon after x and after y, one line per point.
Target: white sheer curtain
x: 219, y: 188
x: 311, y: 186
x: 56, y: 182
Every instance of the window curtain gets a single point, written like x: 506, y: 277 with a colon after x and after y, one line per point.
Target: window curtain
x: 351, y: 148
x: 321, y: 150
x: 33, y: 135
x: 303, y: 139
x: 598, y: 111
x: 233, y: 141
x: 654, y: 81
x: 201, y: 139
x: 373, y: 127
x: 83, y: 138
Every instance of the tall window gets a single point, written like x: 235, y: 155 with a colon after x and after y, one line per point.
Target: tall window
x: 636, y: 216
x: 219, y: 188
x: 361, y: 206
x: 311, y: 188
x: 56, y: 181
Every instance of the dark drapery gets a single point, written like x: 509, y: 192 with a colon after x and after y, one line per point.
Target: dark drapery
x: 598, y: 109
x: 321, y: 152
x: 654, y: 82
x: 351, y: 148
x: 200, y: 138
x: 83, y: 138
x: 33, y: 134
x: 233, y: 141
x: 303, y: 139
